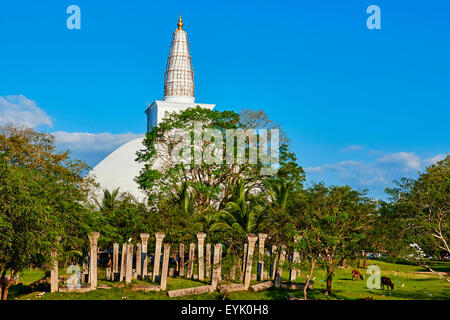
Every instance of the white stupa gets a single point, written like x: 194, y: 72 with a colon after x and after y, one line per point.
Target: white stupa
x: 119, y: 169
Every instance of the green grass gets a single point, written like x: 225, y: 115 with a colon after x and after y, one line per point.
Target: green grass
x: 409, y: 284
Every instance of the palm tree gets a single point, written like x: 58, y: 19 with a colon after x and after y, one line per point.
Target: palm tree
x: 279, y: 192
x: 242, y: 214
x: 183, y: 197
x: 109, y: 201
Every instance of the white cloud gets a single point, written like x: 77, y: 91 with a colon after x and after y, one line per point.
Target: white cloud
x: 348, y: 172
x: 352, y: 148
x: 436, y: 158
x: 85, y: 141
x: 91, y: 147
x: 375, y: 175
x: 402, y: 160
x: 19, y: 110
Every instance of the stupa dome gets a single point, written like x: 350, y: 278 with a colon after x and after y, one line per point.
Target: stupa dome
x: 119, y: 169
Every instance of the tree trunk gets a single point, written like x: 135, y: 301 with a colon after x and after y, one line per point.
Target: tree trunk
x: 365, y: 260
x: 308, y: 277
x: 329, y: 279
x: 2, y: 281
x: 8, y: 285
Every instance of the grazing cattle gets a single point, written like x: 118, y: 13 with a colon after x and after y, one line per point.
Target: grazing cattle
x: 385, y: 281
x: 357, y: 274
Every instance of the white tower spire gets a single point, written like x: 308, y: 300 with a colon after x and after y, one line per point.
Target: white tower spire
x: 179, y: 76
x: 178, y: 81
x: 120, y: 168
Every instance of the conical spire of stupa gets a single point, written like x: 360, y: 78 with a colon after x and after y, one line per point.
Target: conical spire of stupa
x: 179, y: 76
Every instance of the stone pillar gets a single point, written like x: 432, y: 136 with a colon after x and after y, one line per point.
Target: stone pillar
x: 144, y: 239
x: 280, y: 267
x: 293, y: 271
x: 159, y: 238
x: 261, y: 238
x: 191, y: 260
x: 248, y: 267
x: 54, y: 277
x: 244, y: 261
x: 123, y: 262
x: 220, y: 262
x: 208, y: 260
x: 201, y: 262
x: 129, y: 264
x: 217, y: 270
x: 115, y: 269
x: 165, y: 267
x: 138, y: 260
x: 181, y: 260
x: 93, y: 240
x: 273, y: 265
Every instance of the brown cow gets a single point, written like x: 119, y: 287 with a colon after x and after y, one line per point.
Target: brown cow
x: 357, y: 274
x: 385, y: 281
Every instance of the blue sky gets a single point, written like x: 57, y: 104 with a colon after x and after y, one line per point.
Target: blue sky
x: 361, y: 107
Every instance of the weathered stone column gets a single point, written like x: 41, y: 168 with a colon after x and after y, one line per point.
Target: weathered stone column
x: 165, y: 267
x: 129, y: 264
x: 244, y: 261
x: 201, y: 262
x: 115, y: 269
x: 293, y: 271
x: 280, y: 267
x: 159, y: 238
x: 123, y: 262
x: 181, y: 261
x: 217, y: 270
x: 54, y: 277
x: 144, y: 239
x: 208, y: 260
x: 248, y: 267
x: 191, y: 260
x: 220, y: 262
x: 273, y: 265
x: 93, y: 240
x: 138, y: 260
x: 261, y: 239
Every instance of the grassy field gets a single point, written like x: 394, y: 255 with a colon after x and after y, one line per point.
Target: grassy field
x: 411, y: 282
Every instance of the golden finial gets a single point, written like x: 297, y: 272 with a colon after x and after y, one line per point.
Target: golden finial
x: 180, y: 23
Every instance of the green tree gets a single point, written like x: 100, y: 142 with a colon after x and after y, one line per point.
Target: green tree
x: 208, y: 183
x: 337, y: 218
x: 109, y: 200
x: 42, y: 192
x: 420, y: 216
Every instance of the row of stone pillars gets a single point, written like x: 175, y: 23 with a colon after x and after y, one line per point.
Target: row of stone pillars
x: 209, y: 271
x: 276, y: 267
x: 127, y: 272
